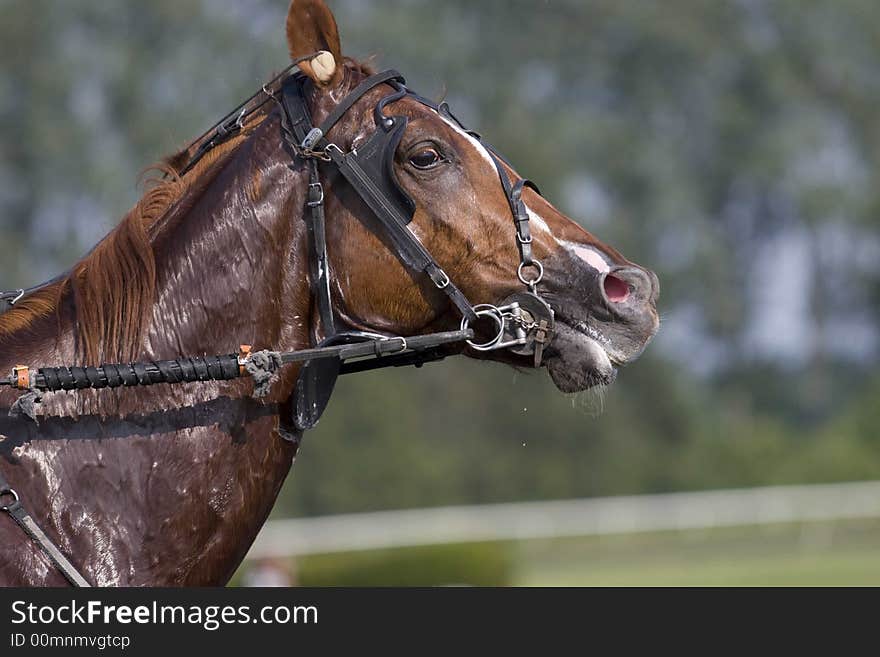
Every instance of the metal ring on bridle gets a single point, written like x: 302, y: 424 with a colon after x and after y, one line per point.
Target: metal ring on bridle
x: 240, y: 120
x: 8, y: 491
x: 538, y: 266
x: 486, y: 310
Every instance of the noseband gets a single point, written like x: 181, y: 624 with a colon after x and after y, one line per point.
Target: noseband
x: 523, y: 323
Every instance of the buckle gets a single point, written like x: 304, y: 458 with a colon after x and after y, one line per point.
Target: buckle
x: 380, y: 351
x: 440, y: 279
x: 244, y: 354
x: 315, y: 202
x: 21, y: 377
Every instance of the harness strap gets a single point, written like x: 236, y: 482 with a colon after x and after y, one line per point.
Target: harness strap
x: 348, y: 102
x: 304, y: 139
x: 296, y: 117
x: 318, y: 263
x: 411, y: 250
x: 9, y: 299
x: 296, y: 122
x: 24, y: 520
x: 512, y: 191
x: 521, y: 222
x: 225, y: 367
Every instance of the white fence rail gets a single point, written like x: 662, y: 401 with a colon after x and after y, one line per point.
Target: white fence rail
x: 568, y: 518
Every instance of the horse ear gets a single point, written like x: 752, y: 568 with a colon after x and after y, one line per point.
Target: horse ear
x: 311, y: 28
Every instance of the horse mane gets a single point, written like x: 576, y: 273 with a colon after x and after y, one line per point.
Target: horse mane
x: 113, y: 287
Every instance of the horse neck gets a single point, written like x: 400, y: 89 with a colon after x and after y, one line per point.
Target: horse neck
x: 235, y: 269
x: 187, y: 472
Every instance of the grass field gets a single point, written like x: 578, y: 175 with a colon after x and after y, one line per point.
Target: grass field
x: 818, y: 554
x: 813, y: 554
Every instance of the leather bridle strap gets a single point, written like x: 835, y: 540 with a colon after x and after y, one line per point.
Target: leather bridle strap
x: 407, y: 245
x: 513, y: 192
x: 24, y: 520
x: 310, y: 143
x: 316, y: 136
x: 318, y: 263
x: 296, y: 122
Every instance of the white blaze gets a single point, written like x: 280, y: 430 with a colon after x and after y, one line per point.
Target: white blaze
x: 474, y: 142
x: 535, y: 221
x: 589, y: 255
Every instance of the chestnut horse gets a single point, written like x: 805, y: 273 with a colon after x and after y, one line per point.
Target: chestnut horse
x: 169, y: 485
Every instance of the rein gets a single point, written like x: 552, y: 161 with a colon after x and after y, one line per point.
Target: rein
x: 524, y: 322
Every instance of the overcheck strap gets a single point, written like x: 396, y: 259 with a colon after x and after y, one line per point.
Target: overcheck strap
x: 17, y: 512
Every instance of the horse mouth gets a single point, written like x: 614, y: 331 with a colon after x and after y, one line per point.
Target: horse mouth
x: 582, y: 358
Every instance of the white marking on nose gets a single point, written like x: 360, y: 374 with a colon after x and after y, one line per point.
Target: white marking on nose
x: 589, y: 255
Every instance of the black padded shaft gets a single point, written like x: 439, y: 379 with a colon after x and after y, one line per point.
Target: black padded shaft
x: 206, y: 368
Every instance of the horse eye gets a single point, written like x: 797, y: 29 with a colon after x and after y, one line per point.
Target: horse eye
x: 425, y: 159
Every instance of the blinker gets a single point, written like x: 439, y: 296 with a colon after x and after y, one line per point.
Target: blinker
x: 376, y: 158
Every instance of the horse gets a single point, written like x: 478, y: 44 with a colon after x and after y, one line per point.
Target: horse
x: 169, y: 485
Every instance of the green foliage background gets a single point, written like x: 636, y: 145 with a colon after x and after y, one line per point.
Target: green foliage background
x: 707, y: 140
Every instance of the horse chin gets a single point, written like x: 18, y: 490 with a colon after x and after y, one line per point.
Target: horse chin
x: 577, y: 362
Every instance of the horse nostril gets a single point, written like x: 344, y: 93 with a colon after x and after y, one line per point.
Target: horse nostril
x: 617, y: 290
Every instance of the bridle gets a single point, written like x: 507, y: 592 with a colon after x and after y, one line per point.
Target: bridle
x: 369, y: 170
x: 523, y: 323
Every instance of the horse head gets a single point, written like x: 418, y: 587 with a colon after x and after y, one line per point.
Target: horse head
x: 463, y: 214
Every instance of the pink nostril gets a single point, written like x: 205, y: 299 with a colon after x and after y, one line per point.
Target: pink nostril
x: 616, y: 289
